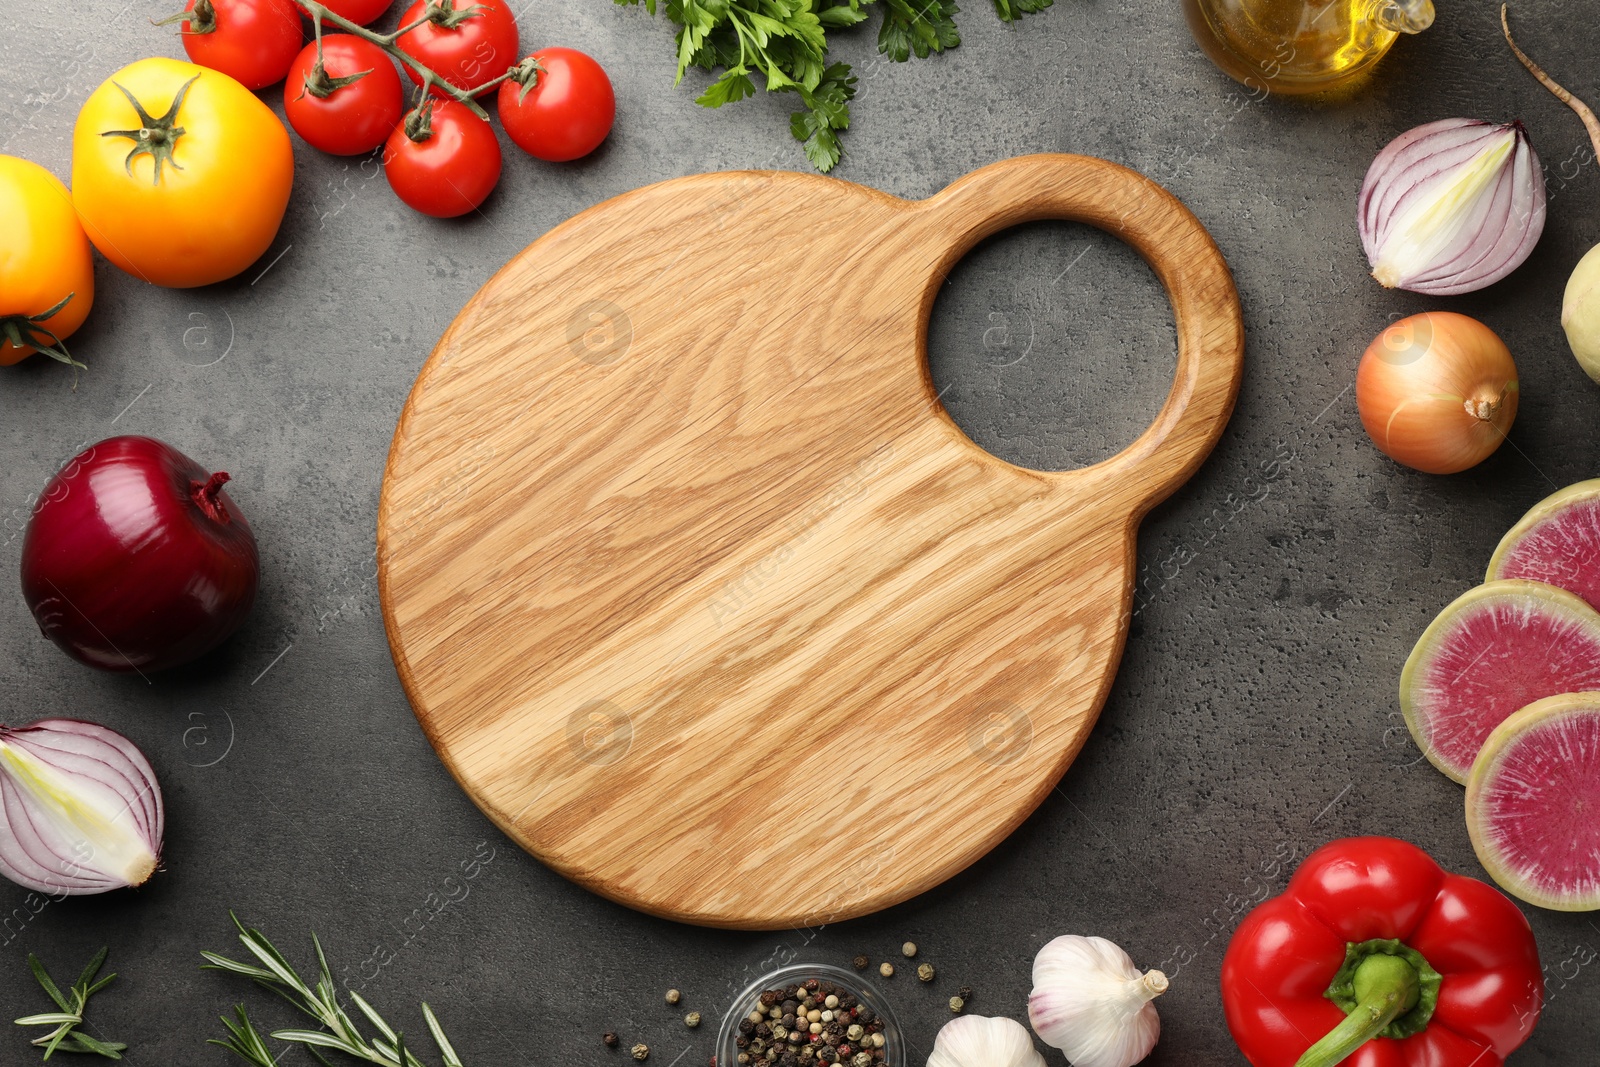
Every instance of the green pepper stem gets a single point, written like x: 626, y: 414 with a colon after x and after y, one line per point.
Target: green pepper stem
x: 1386, y: 987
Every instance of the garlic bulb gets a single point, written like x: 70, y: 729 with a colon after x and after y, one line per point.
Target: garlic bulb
x: 1092, y: 1003
x: 976, y: 1041
x: 80, y: 809
x: 1452, y: 206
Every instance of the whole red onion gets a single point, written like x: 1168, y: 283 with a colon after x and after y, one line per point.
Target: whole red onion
x: 136, y: 559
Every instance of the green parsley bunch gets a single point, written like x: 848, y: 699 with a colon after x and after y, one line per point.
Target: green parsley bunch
x: 786, y: 43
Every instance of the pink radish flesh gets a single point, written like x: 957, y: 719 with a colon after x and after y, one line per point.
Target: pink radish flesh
x: 1539, y: 811
x: 1562, y: 549
x: 1502, y: 655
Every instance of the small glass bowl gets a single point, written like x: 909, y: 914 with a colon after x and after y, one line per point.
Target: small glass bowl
x: 792, y: 974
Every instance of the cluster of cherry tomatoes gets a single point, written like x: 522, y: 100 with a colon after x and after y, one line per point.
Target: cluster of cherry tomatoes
x: 343, y: 95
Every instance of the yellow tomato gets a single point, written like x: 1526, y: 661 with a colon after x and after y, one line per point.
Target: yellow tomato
x: 44, y: 260
x: 181, y: 176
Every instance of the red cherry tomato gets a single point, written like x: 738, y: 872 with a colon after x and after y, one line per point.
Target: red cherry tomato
x: 567, y: 113
x: 476, y: 50
x: 452, y: 169
x: 251, y: 41
x: 353, y: 118
x: 361, y: 12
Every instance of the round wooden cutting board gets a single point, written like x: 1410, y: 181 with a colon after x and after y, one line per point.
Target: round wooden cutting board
x: 698, y: 591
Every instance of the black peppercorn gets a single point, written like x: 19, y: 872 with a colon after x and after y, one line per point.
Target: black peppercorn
x: 763, y: 1030
x: 864, y: 1015
x: 611, y: 1040
x: 741, y: 1042
x: 861, y: 963
x: 745, y: 1026
x: 768, y: 999
x: 811, y: 985
x: 965, y: 992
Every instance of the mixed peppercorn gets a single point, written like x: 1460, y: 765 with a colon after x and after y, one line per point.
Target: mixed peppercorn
x: 812, y: 1022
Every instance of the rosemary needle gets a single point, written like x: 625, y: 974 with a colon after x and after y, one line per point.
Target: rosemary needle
x: 339, y: 1031
x: 65, y: 1035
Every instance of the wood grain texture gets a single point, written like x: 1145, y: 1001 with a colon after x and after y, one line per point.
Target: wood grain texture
x: 686, y: 571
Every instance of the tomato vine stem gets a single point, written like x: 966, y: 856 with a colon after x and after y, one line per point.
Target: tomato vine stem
x: 387, y: 41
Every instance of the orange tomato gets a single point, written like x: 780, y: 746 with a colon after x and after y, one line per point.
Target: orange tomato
x: 180, y: 175
x: 44, y: 260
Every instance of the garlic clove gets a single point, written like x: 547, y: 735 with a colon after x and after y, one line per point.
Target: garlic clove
x: 1092, y: 1003
x: 977, y: 1041
x: 1452, y: 206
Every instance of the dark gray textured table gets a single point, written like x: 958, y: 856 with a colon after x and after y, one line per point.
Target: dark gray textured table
x: 1254, y: 716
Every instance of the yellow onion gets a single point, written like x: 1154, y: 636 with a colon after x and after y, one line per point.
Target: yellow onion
x: 1437, y: 392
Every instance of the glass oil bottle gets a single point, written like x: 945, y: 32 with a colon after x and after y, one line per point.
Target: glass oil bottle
x: 1302, y: 46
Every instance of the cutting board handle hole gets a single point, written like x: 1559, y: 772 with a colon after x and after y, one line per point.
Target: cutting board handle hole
x: 1052, y: 345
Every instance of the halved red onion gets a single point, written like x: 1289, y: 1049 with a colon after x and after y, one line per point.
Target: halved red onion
x: 1452, y: 206
x: 80, y: 808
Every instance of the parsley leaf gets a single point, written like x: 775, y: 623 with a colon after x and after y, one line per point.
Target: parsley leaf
x: 920, y: 26
x: 828, y: 112
x: 786, y: 43
x: 1012, y: 10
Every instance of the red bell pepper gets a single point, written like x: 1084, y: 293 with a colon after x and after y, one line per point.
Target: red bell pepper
x: 1374, y: 957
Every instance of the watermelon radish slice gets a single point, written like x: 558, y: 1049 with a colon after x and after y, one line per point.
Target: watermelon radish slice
x: 1533, y: 803
x: 1495, y: 650
x: 1557, y: 542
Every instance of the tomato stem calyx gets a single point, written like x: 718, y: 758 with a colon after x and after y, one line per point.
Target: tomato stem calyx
x: 419, y: 121
x: 156, y: 136
x: 320, y: 84
x: 445, y: 14
x: 202, y: 18
x: 525, y: 74
x: 26, y: 331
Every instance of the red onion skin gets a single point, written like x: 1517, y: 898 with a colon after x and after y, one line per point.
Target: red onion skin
x: 136, y: 559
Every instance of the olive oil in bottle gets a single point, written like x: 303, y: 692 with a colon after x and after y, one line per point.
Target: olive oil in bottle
x: 1301, y: 46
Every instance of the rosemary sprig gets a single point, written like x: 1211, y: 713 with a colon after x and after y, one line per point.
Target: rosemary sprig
x: 339, y: 1031
x: 65, y: 1035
